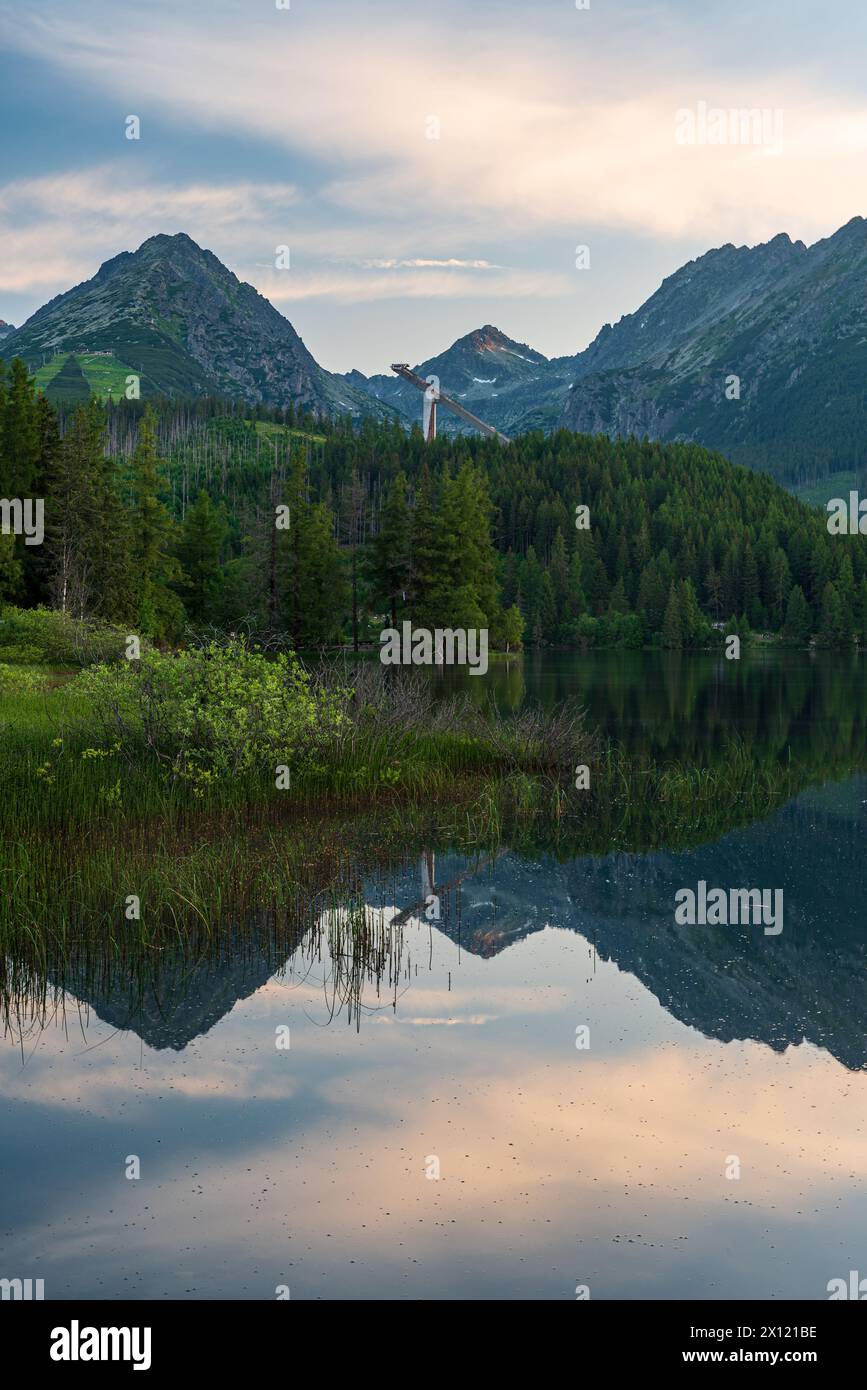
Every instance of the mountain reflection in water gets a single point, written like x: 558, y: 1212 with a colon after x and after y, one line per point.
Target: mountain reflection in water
x: 423, y: 1029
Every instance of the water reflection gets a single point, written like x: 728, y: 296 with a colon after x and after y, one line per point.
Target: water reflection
x: 558, y: 1166
x: 729, y: 982
x: 432, y: 1005
x: 688, y: 706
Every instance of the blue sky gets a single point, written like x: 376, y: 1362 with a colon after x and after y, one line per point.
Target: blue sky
x: 430, y: 170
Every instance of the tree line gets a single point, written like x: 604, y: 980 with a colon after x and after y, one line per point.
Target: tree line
x: 167, y: 514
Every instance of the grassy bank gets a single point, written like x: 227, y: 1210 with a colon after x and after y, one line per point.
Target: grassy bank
x: 223, y: 783
x: 126, y: 747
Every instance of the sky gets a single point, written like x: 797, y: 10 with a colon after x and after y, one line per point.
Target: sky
x: 430, y: 168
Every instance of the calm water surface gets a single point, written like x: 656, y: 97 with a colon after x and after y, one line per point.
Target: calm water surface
x: 710, y: 1049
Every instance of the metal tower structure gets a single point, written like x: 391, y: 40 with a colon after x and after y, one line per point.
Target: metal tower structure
x: 433, y: 396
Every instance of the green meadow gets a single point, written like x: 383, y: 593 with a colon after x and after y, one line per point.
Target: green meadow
x: 106, y: 376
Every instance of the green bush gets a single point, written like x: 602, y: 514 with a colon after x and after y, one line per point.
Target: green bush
x: 16, y: 680
x: 213, y: 713
x: 43, y: 636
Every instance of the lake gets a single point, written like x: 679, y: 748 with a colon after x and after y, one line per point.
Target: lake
x: 489, y: 1073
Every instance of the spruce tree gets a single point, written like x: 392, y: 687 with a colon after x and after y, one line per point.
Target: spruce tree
x: 512, y: 631
x: 672, y: 629
x: 427, y: 560
x: 796, y: 628
x: 158, y: 611
x: 392, y: 549
x: 311, y: 574
x: 19, y: 447
x: 691, y: 621
x: 559, y: 570
x: 200, y: 552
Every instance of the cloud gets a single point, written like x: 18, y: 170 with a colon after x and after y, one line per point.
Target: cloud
x: 529, y: 131
x: 362, y: 286
x: 551, y: 130
x: 419, y: 263
x: 56, y: 230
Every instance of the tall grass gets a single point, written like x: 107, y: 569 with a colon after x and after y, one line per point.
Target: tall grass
x: 82, y: 829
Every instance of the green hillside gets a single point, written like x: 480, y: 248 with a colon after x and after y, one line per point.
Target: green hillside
x: 270, y: 431
x: 835, y: 485
x: 104, y: 375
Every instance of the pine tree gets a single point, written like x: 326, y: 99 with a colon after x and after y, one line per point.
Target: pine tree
x: 159, y: 613
x: 392, y: 549
x: 672, y: 630
x: 796, y: 628
x: 200, y: 551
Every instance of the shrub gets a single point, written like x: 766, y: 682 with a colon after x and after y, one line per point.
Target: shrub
x: 43, y: 636
x: 16, y: 680
x: 213, y: 713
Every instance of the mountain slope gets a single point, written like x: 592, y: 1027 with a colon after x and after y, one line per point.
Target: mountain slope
x: 189, y: 326
x: 485, y: 370
x: 789, y: 321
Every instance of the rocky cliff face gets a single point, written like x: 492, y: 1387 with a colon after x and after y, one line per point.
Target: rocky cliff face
x: 485, y: 370
x: 177, y: 315
x: 759, y: 352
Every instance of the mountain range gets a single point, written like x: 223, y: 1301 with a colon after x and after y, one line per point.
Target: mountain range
x: 507, y: 383
x: 760, y: 352
x: 806, y: 986
x: 788, y: 321
x: 172, y: 313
